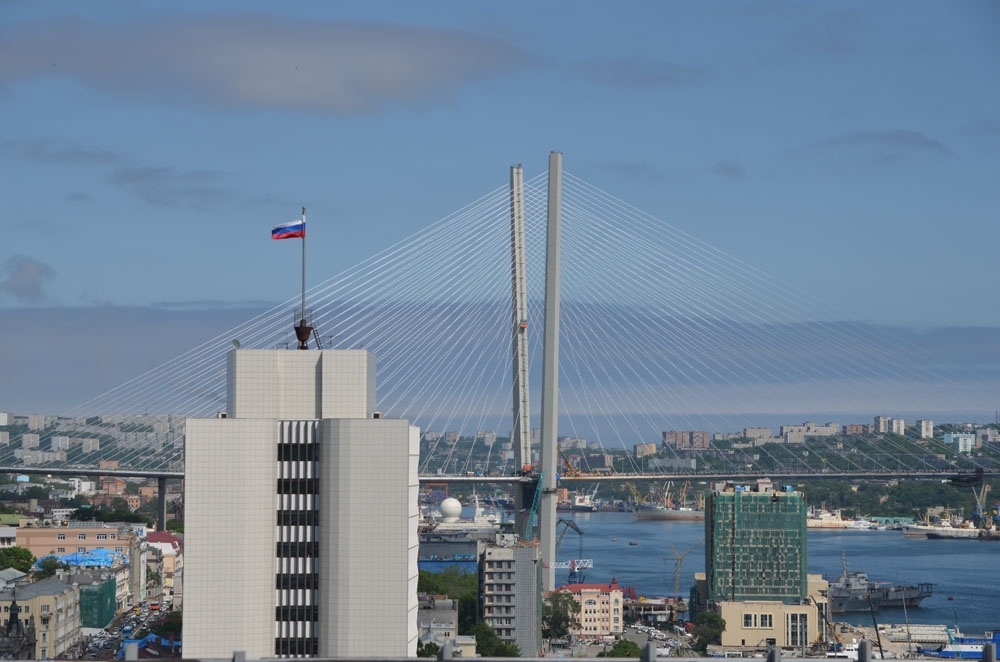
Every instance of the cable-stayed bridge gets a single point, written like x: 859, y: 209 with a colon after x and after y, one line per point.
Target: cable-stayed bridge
x: 659, y: 332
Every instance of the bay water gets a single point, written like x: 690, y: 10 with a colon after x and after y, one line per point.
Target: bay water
x: 965, y: 573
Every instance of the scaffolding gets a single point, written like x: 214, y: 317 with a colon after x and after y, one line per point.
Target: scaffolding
x: 756, y: 545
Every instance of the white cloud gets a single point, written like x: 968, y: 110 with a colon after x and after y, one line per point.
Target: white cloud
x: 338, y: 68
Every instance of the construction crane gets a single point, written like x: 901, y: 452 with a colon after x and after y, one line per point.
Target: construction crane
x: 679, y: 559
x: 529, y: 522
x: 575, y: 566
x: 570, y: 470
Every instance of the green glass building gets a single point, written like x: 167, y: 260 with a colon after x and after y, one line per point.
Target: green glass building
x: 755, y: 544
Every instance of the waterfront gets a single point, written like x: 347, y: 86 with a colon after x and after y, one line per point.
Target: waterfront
x: 967, y: 571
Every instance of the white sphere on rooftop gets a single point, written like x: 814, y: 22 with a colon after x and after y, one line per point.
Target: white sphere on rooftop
x: 451, y: 509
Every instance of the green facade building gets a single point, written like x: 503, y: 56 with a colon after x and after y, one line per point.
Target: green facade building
x: 755, y: 544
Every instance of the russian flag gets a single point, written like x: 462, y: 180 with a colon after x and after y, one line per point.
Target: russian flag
x: 290, y: 230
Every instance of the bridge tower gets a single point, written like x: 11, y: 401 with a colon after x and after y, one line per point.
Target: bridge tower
x: 550, y: 377
x: 521, y: 433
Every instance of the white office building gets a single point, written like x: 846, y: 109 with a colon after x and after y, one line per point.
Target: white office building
x: 301, y: 514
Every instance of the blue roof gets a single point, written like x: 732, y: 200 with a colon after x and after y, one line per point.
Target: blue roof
x: 95, y: 558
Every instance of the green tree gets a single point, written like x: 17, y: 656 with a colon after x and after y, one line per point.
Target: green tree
x: 456, y: 584
x: 623, y: 648
x: 170, y: 625
x: 427, y: 650
x: 36, y: 492
x: 16, y: 557
x: 48, y: 567
x: 175, y: 525
x: 708, y: 626
x: 560, y: 614
x: 489, y: 644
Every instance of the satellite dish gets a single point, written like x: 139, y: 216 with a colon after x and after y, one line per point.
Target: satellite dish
x: 236, y: 344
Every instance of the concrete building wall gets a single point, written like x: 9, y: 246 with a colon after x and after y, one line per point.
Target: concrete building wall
x: 295, y: 385
x: 368, y: 560
x: 229, y: 524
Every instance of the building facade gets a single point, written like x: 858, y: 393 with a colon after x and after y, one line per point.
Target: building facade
x: 51, y: 609
x: 602, y: 609
x: 510, y: 591
x: 755, y: 544
x: 926, y: 428
x: 306, y: 545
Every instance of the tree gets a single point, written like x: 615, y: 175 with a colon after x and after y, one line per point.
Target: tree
x: 48, y: 567
x: 560, y: 614
x: 175, y: 525
x: 708, y: 626
x: 430, y: 649
x: 16, y: 557
x: 488, y: 644
x: 623, y: 648
x: 456, y: 584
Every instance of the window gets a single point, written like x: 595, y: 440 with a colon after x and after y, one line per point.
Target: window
x: 81, y: 536
x: 119, y: 549
x: 45, y: 609
x: 102, y: 536
x: 60, y: 550
x: 748, y: 621
x: 61, y: 536
x: 81, y: 549
x: 766, y: 621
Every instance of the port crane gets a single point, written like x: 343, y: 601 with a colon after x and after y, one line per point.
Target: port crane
x: 679, y: 559
x: 575, y: 566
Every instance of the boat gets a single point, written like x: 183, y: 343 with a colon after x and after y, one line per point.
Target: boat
x: 854, y: 591
x: 580, y: 502
x: 962, y: 648
x: 819, y: 518
x: 845, y: 652
x: 660, y: 512
x: 633, y: 543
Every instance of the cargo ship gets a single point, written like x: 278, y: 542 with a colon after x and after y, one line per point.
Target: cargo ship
x: 679, y: 514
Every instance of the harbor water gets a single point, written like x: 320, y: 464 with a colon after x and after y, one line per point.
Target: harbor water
x: 642, y: 554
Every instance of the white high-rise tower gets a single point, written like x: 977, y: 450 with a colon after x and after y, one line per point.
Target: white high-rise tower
x: 300, y: 514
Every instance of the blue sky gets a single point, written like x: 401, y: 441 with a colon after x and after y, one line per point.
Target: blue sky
x: 146, y: 149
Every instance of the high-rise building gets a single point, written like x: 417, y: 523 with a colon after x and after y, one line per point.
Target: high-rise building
x: 510, y: 591
x: 755, y: 544
x: 926, y: 428
x: 301, y: 514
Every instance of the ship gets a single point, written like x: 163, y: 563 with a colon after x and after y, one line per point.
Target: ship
x: 580, y: 502
x: 854, y: 591
x: 962, y: 648
x: 660, y: 512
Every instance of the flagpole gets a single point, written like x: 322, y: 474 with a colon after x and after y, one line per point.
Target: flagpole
x: 303, y: 265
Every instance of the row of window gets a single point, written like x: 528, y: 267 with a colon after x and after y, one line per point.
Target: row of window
x: 293, y: 581
x: 83, y: 536
x: 297, y: 613
x: 297, y: 646
x: 298, y: 517
x: 83, y: 550
x: 758, y: 620
x: 293, y: 550
x: 298, y: 452
x: 298, y: 486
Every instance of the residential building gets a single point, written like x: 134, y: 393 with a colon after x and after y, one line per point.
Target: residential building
x: 755, y: 544
x: 306, y: 545
x: 642, y: 450
x: 796, y: 434
x: 98, y: 594
x: 962, y: 441
x: 692, y: 439
x: 51, y: 608
x: 510, y: 591
x: 897, y: 426
x: 601, y: 609
x: 881, y: 424
x: 171, y: 550
x: 925, y: 428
